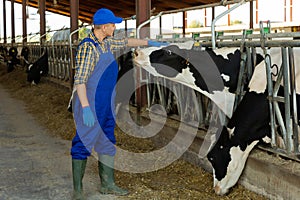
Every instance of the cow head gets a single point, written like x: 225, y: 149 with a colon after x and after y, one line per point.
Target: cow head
x: 169, y: 61
x: 228, y: 162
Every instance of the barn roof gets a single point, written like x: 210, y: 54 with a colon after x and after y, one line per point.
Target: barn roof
x: 123, y: 8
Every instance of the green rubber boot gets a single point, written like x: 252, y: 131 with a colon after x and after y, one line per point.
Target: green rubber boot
x: 78, y: 169
x: 106, y: 173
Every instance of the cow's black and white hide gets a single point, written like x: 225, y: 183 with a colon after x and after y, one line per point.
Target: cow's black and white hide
x: 213, y: 73
x: 38, y: 69
x: 249, y: 125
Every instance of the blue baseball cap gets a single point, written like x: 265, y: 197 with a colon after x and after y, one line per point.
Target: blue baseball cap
x: 105, y: 16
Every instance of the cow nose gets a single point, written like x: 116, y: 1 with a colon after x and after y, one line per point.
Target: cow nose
x: 217, y: 189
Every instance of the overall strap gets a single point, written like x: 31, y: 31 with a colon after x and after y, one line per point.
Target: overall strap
x: 92, y: 41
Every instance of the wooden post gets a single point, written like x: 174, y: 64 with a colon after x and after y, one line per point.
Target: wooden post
x: 24, y: 20
x: 251, y: 15
x: 13, y: 35
x: 4, y: 22
x: 143, y: 9
x: 184, y: 22
x: 42, y: 8
x: 74, y: 7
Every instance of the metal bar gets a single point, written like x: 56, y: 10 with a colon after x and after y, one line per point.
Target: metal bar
x: 70, y: 43
x: 271, y: 43
x: 288, y: 121
x: 270, y: 94
x: 213, y: 34
x: 144, y: 23
x: 221, y: 3
x: 289, y: 35
x: 275, y: 100
x: 239, y: 88
x: 293, y: 99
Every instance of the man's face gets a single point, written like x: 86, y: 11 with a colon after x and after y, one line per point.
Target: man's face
x: 109, y: 29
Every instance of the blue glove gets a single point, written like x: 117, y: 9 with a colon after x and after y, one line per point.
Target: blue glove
x: 156, y: 43
x: 88, y: 117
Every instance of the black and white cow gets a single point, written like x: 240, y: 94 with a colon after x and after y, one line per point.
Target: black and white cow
x: 214, y: 73
x: 38, y: 68
x: 248, y: 126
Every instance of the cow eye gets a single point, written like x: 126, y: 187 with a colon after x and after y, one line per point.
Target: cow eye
x: 211, y: 159
x: 169, y: 52
x: 221, y: 147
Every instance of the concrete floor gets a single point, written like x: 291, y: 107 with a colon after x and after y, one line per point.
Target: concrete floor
x: 33, y: 164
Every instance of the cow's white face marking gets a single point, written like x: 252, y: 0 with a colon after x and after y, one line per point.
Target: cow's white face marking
x: 141, y: 57
x: 234, y: 169
x: 225, y: 77
x: 230, y: 131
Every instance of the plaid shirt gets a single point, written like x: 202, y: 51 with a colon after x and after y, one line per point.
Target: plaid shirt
x: 88, y: 56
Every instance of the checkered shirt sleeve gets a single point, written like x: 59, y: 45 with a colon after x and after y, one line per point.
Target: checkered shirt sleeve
x: 85, y: 62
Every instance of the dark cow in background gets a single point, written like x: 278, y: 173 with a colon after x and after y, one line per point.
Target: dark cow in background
x: 25, y: 56
x: 12, y: 60
x: 3, y: 53
x: 38, y: 69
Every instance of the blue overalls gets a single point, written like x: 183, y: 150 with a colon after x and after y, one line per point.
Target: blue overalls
x: 100, y: 89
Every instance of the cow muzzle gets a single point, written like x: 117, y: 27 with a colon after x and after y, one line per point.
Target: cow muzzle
x: 219, y: 191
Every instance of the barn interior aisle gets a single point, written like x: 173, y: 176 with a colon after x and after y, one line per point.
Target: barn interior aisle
x: 35, y: 133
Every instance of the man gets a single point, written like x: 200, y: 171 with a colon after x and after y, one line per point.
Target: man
x: 95, y: 77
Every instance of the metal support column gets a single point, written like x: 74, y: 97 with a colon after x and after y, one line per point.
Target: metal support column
x: 13, y: 35
x: 42, y: 8
x: 24, y: 21
x: 251, y: 15
x: 184, y: 22
x: 143, y: 12
x: 74, y: 7
x: 4, y: 23
x: 288, y: 120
